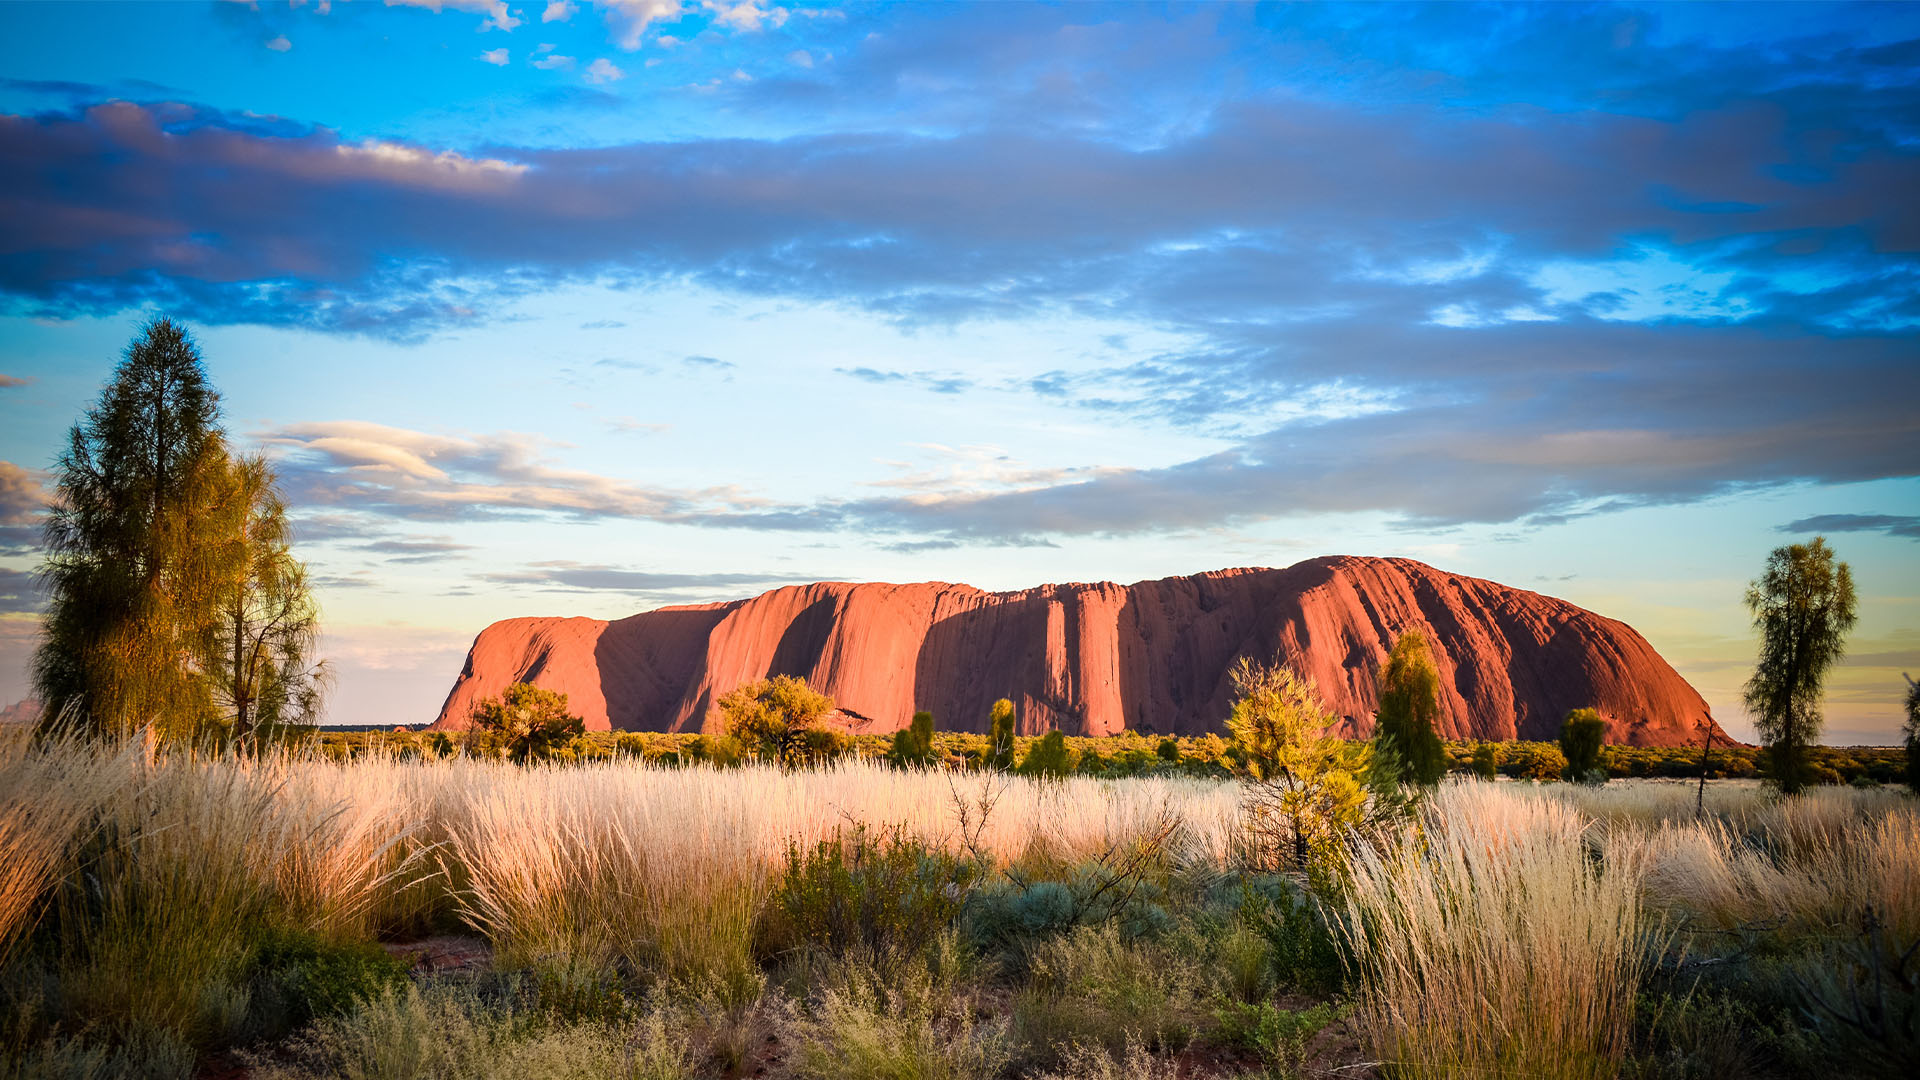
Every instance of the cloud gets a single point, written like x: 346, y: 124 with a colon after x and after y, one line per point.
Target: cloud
x: 494, y: 12
x: 602, y: 324
x: 708, y: 363
x: 628, y: 20
x: 938, y: 382
x: 559, y: 11
x: 398, y: 473
x: 7, y: 382
x: 552, y: 61
x: 746, y: 15
x: 1905, y: 526
x: 1463, y: 296
x: 604, y: 71
x: 416, y: 549
x: 279, y: 44
x: 311, y: 528
x: 567, y: 576
x: 496, y: 57
x: 20, y: 593
x: 23, y: 504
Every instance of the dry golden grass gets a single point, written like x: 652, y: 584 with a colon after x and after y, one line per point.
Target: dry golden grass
x: 1490, y: 944
x: 1505, y: 933
x: 47, y: 799
x: 668, y: 867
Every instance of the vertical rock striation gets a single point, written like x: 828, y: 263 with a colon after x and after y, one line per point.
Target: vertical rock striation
x: 1102, y: 658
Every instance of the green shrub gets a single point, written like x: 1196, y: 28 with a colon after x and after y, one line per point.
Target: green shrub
x: 1091, y: 763
x: 1048, y: 758
x: 527, y: 722
x: 885, y: 896
x: 1533, y: 761
x: 1486, y: 761
x: 1000, y: 724
x: 1303, y: 943
x: 1279, y: 1036
x: 1707, y: 1034
x: 147, y: 1054
x: 1244, y: 959
x: 913, y: 744
x: 1168, y: 751
x: 1582, y: 735
x: 1008, y: 922
x: 448, y: 1031
x: 721, y: 751
x: 1861, y: 994
x: 298, y: 977
x: 1083, y: 1062
x: 1095, y: 986
x: 898, y: 1028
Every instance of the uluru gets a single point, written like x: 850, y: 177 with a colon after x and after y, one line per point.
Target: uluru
x: 1098, y: 659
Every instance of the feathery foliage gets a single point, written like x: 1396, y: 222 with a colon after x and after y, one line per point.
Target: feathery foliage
x: 259, y: 650
x: 1310, y: 790
x: 1581, y: 736
x: 530, y: 722
x: 1803, y: 606
x: 132, y: 588
x: 1000, y: 736
x: 175, y: 597
x: 1409, y: 704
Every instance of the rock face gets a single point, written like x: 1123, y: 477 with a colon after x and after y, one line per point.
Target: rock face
x: 1102, y: 658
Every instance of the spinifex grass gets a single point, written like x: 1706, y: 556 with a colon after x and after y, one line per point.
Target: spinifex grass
x: 1489, y: 943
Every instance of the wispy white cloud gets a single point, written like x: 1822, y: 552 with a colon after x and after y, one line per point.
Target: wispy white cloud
x: 604, y: 71
x: 495, y: 12
x: 411, y: 474
x: 496, y: 57
x: 559, y: 11
x: 279, y: 43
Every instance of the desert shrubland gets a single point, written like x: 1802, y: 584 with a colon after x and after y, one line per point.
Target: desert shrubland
x: 858, y: 918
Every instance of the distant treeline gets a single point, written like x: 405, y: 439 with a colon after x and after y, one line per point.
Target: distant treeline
x: 1136, y: 754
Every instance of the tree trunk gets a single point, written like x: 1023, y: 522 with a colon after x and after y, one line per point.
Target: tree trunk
x: 241, y: 721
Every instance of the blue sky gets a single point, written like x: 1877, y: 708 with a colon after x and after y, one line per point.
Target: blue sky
x: 582, y: 309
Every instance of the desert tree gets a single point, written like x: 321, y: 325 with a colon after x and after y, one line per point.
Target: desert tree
x: 1803, y: 607
x: 778, y: 719
x: 1409, y: 705
x: 259, y: 654
x: 1582, y: 734
x: 1911, y: 729
x: 1308, y: 791
x: 527, y: 721
x: 132, y: 590
x: 1000, y: 736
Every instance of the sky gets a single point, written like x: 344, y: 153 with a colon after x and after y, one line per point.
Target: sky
x: 581, y: 309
